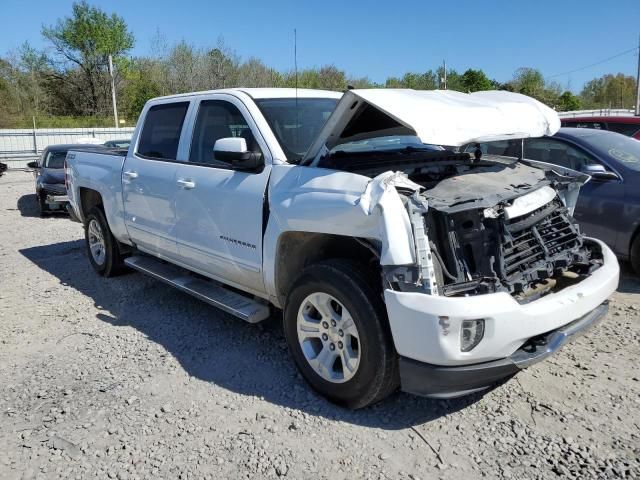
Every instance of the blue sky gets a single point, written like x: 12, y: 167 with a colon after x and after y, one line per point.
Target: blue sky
x: 377, y: 40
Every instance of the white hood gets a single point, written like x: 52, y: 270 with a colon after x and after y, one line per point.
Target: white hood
x: 438, y: 117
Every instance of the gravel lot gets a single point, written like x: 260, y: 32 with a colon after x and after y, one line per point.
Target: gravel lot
x: 128, y: 378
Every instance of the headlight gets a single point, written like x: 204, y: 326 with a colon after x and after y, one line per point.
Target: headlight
x: 471, y: 333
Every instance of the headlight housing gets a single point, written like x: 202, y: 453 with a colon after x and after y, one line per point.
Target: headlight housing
x: 471, y: 333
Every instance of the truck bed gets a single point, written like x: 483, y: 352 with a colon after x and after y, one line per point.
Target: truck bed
x: 99, y: 170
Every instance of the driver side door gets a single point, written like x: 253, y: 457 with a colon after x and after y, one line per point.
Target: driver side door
x: 220, y: 209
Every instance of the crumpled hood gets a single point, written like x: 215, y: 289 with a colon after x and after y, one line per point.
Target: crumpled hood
x: 484, y: 187
x: 438, y: 117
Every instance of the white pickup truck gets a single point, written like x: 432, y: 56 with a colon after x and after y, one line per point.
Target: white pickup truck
x: 397, y: 263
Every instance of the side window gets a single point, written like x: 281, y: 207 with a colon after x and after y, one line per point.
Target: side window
x: 557, y: 152
x: 161, y: 131
x: 628, y: 129
x: 218, y: 119
x: 595, y: 125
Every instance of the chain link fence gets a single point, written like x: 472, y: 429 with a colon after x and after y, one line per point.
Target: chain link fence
x: 21, y: 146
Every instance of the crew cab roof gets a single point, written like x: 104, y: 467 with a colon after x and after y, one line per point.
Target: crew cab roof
x: 260, y: 93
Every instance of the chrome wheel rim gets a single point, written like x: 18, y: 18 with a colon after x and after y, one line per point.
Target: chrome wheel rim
x: 328, y: 338
x: 96, y: 242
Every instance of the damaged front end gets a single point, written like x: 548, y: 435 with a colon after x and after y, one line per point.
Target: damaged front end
x: 453, y: 224
x: 489, y: 227
x: 487, y: 250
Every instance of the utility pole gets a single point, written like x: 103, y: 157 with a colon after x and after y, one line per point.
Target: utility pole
x: 638, y: 82
x: 444, y: 74
x: 113, y: 91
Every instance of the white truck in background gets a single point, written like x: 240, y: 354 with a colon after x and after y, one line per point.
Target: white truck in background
x: 397, y: 263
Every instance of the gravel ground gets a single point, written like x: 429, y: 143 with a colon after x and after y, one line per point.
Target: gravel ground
x: 128, y: 378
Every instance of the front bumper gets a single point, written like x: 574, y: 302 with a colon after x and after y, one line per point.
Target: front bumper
x: 446, y: 382
x: 54, y: 195
x: 426, y: 328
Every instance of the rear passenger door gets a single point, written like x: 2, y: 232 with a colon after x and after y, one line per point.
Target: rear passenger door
x: 149, y: 180
x: 219, y: 210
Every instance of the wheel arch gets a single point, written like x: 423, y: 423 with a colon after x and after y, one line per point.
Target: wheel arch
x: 89, y: 199
x: 296, y: 250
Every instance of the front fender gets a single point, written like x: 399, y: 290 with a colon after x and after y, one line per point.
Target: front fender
x: 316, y: 200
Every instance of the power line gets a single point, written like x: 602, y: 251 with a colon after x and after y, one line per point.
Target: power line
x: 594, y: 64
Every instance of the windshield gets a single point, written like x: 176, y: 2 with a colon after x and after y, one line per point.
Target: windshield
x: 392, y: 142
x: 55, y: 159
x: 296, y: 127
x: 117, y: 143
x: 623, y: 149
x: 502, y: 148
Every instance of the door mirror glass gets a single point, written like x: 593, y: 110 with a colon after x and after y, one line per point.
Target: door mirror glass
x: 234, y: 150
x: 598, y: 171
x: 33, y: 165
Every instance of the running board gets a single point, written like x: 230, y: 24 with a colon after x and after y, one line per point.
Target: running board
x: 207, y: 290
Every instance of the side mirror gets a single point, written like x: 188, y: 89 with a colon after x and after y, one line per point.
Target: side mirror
x: 33, y: 165
x: 599, y: 172
x: 234, y: 150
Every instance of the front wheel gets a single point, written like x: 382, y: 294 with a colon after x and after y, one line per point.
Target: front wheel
x: 102, y: 248
x: 635, y: 254
x: 42, y: 203
x: 337, y: 331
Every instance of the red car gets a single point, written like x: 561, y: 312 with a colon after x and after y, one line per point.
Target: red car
x: 629, y: 126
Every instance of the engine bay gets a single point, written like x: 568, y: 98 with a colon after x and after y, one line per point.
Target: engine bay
x: 480, y: 237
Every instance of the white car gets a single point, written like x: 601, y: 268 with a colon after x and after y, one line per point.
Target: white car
x: 398, y: 264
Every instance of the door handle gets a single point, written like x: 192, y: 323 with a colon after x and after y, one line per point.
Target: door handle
x: 186, y: 184
x: 130, y: 174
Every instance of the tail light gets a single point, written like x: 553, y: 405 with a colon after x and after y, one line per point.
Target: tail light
x: 66, y: 175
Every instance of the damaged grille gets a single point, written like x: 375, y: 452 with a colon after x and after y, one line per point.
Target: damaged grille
x: 476, y: 253
x: 536, y: 244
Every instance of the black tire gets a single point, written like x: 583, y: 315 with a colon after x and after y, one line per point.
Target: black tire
x: 113, y: 262
x: 354, y: 286
x: 635, y: 254
x: 44, y: 209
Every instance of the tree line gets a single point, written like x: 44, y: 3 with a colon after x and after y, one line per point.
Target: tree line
x: 68, y: 83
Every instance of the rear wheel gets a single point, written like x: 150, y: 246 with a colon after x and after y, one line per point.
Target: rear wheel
x: 102, y: 248
x: 336, y: 327
x: 635, y: 254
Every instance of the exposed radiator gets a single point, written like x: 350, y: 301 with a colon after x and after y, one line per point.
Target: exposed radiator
x: 539, y: 240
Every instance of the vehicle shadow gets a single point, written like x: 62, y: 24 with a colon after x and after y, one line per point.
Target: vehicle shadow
x: 28, y: 206
x: 215, y: 347
x: 629, y: 280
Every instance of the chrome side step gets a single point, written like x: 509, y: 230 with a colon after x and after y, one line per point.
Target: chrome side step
x: 207, y: 290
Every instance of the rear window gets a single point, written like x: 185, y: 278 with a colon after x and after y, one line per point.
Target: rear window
x: 161, y: 131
